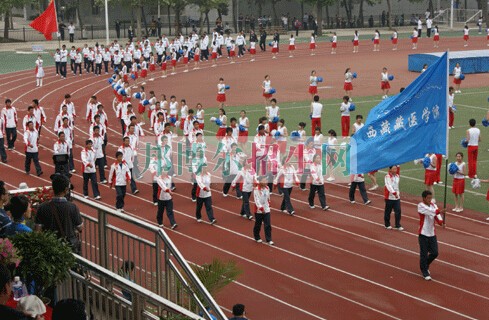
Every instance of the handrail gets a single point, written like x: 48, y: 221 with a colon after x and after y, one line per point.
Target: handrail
x: 478, y: 13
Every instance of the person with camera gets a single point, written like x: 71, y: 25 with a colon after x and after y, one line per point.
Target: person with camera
x: 61, y: 155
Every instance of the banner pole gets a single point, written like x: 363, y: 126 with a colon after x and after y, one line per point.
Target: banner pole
x: 447, y: 139
x: 445, y: 192
x: 57, y: 25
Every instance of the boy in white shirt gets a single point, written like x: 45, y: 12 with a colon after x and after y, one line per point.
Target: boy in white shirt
x: 119, y: 176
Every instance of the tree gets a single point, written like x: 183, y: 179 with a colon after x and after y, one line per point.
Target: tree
x: 6, y: 7
x: 274, y: 10
x: 319, y: 6
x: 361, y: 21
x: 205, y: 6
x: 177, y: 6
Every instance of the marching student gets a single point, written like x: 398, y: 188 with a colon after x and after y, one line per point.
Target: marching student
x: 288, y: 175
x: 31, y: 149
x: 67, y: 129
x: 98, y: 63
x: 355, y: 41
x: 165, y: 199
x: 317, y: 183
x: 3, y: 154
x: 358, y: 180
x: 428, y: 244
x: 204, y: 196
x: 134, y: 132
x: 260, y: 142
x: 313, y: 84
x: 316, y: 113
x: 89, y: 171
x: 267, y: 86
x: 273, y: 114
x: 436, y: 37
x: 376, y: 40
x: 9, y: 115
x: 200, y: 115
x: 348, y: 86
x: 174, y: 108
x: 39, y: 114
x: 312, y: 44
x: 120, y: 110
x: 39, y: 71
x: 394, y: 39
x: 392, y: 199
x: 384, y: 83
x: 246, y: 178
x: 457, y: 72
x: 198, y: 160
x: 291, y: 46
x: 127, y: 118
x: 281, y: 136
x: 261, y: 194
x: 451, y: 108
x: 466, y: 36
x: 334, y: 43
x: 92, y: 105
x: 221, y: 93
x: 345, y: 116
x: 331, y: 150
x: 78, y: 63
x: 230, y: 170
x: 308, y: 158
x: 119, y: 176
x: 128, y: 154
x: 106, y: 56
x: 72, y: 56
x: 57, y: 60
x: 61, y: 152
x: 458, y: 187
x: 414, y: 39
x: 59, y: 118
x: 98, y: 148
x: 30, y: 117
x: 70, y: 106
x: 473, y: 136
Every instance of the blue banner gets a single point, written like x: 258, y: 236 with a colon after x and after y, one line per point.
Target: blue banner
x: 406, y: 126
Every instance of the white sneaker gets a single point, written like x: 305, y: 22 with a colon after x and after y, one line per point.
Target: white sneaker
x: 98, y: 198
x: 199, y: 220
x: 373, y: 188
x: 86, y: 197
x: 259, y: 240
x: 325, y: 208
x: 174, y: 226
x: 271, y: 243
x: 155, y: 204
x: 352, y: 201
x: 330, y: 179
x: 312, y: 207
x: 368, y: 202
x: 427, y: 278
x: 389, y: 228
x: 400, y: 229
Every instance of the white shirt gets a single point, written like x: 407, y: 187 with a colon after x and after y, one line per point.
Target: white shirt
x: 88, y: 161
x: 61, y: 148
x: 71, y: 28
x: 317, y: 177
x: 384, y: 77
x: 30, y: 140
x: 358, y: 178
x: 204, y: 185
x: 289, y: 176
x: 317, y: 109
x: 262, y: 199
x: 248, y: 179
x: 457, y: 71
x: 164, y: 188
x: 291, y: 41
x: 345, y: 109
x: 127, y: 155
x: 313, y: 81
x: 357, y: 126
x: 474, y: 134
x: 28, y: 118
x: 429, y: 23
x: 119, y: 174
x: 9, y: 116
x: 466, y: 31
x: 97, y: 146
x: 272, y: 112
x: 391, y: 189
x: 40, y: 115
x: 70, y: 108
x: 63, y: 55
x: 221, y: 88
x: 427, y: 217
x: 460, y: 172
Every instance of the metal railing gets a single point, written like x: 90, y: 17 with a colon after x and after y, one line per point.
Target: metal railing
x: 110, y: 296
x: 112, y: 240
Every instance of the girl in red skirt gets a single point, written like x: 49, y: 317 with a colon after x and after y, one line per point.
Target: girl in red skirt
x: 152, y: 65
x: 274, y: 49
x: 134, y: 72
x: 221, y: 121
x: 430, y: 173
x: 144, y: 69
x: 267, y: 86
x: 451, y: 111
x: 334, y: 43
x: 221, y: 93
x: 348, y: 86
x: 244, y: 126
x: 232, y: 52
x: 355, y: 41
x: 312, y: 44
x: 436, y: 37
x: 273, y: 114
x: 200, y: 115
x: 164, y: 64
x: 466, y: 36
x: 313, y: 84
x: 252, y: 50
x: 185, y: 59
x: 196, y: 58
x: 457, y: 72
x: 384, y: 83
x: 394, y: 40
x: 291, y: 46
x: 377, y: 40
x: 458, y: 187
x: 214, y: 53
x: 414, y: 39
x: 173, y: 61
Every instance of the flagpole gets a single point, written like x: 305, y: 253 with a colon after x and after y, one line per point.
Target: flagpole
x: 107, y: 23
x: 447, y: 147
x: 57, y: 25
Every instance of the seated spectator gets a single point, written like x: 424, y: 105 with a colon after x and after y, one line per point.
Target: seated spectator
x: 32, y: 306
x: 5, y: 220
x: 19, y: 208
x: 71, y: 309
x: 6, y: 312
x: 238, y: 312
x: 23, y: 186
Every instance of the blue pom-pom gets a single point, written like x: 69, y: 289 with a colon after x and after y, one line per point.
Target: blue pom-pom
x: 295, y: 134
x: 454, y: 108
x: 411, y: 37
x: 227, y: 87
x: 277, y: 133
x: 275, y: 119
x: 391, y: 77
x: 392, y: 38
x: 485, y: 122
x: 320, y: 79
x: 138, y: 66
x: 116, y: 70
x: 218, y: 122
x: 352, y: 107
x: 462, y: 76
x: 137, y: 95
x: 426, y: 162
x: 270, y: 43
x: 118, y: 87
x: 330, y: 40
x: 110, y: 80
x: 180, y: 51
x: 145, y: 102
x: 272, y: 91
x: 452, y: 168
x: 354, y: 75
x: 173, y: 120
x: 487, y: 99
x: 242, y: 128
x: 373, y: 39
x: 122, y: 92
x: 133, y: 76
x: 168, y: 58
x: 310, y: 116
x: 464, y: 143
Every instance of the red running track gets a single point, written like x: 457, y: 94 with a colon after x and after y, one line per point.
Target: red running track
x: 325, y: 265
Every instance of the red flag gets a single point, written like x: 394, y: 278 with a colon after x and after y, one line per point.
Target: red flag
x: 46, y: 23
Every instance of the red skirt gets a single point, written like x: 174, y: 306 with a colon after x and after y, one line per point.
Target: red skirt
x: 126, y: 78
x: 182, y: 124
x: 232, y: 53
x: 185, y: 60
x: 385, y: 85
x: 348, y: 86
x: 429, y: 177
x: 457, y: 81
x: 196, y: 58
x: 221, y: 97
x: 376, y: 41
x: 173, y: 63
x: 221, y: 132
x: 313, y: 89
x: 458, y: 186
x: 152, y: 67
x: 333, y: 45
x: 243, y: 136
x: 291, y: 47
x: 414, y: 40
x: 436, y: 38
x: 488, y: 37
x: 267, y: 95
x: 355, y: 43
x: 144, y: 73
x: 312, y: 46
x: 163, y: 66
x: 272, y: 126
x: 466, y: 37
x: 394, y: 41
x: 373, y: 172
x: 274, y: 50
x: 214, y: 55
x: 201, y: 126
x: 252, y: 51
x: 136, y: 75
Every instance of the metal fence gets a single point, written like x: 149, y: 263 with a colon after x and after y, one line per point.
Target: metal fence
x: 111, y: 239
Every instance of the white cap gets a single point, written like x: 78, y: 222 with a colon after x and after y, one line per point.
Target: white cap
x: 16, y: 279
x: 32, y: 306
